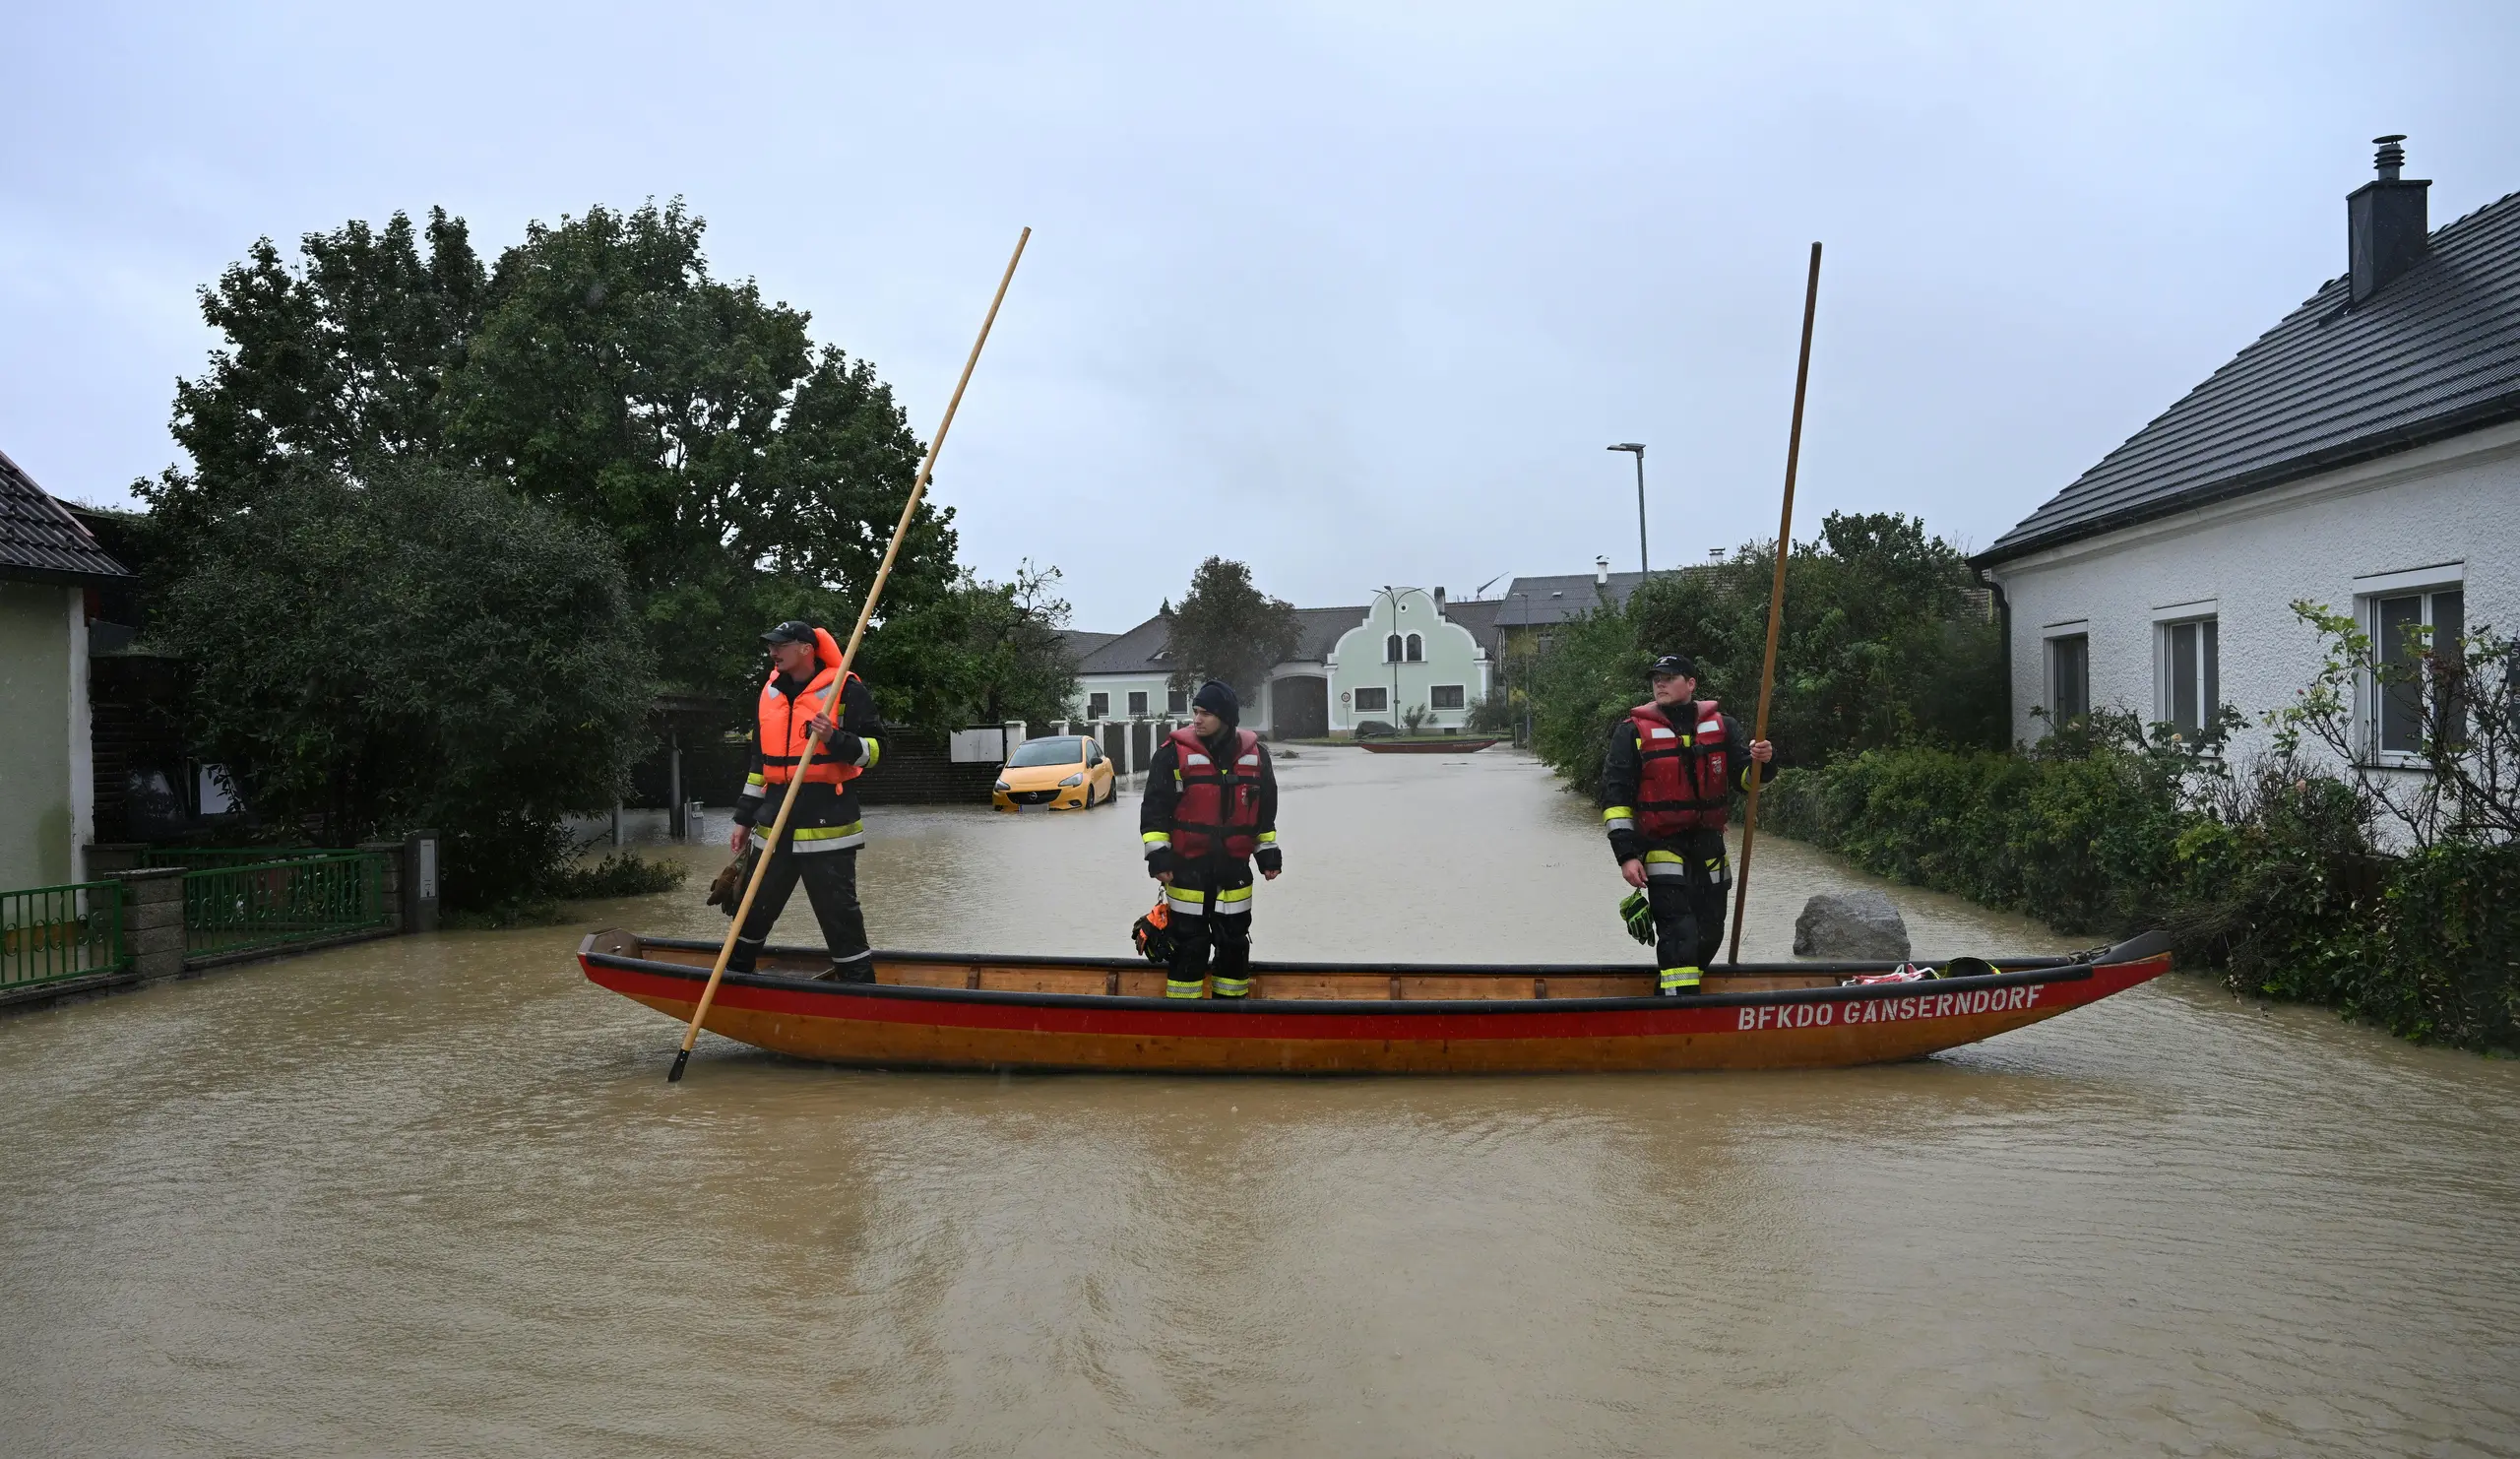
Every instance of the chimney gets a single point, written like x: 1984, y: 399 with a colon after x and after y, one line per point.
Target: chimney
x: 1600, y: 572
x: 1439, y: 599
x: 2384, y: 223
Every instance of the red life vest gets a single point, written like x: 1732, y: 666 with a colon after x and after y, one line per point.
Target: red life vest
x: 1681, y: 785
x: 1215, y: 798
x: 783, y: 736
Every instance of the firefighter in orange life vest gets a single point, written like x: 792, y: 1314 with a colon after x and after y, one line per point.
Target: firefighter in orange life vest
x: 1667, y: 790
x: 820, y: 846
x: 1211, y: 806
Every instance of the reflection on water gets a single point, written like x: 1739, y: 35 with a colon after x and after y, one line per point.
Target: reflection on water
x: 433, y: 1195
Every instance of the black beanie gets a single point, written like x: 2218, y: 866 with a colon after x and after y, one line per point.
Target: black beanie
x: 1216, y: 696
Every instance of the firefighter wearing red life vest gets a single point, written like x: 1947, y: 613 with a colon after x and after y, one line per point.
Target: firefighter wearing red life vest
x: 1667, y: 792
x: 820, y: 845
x: 1211, y: 808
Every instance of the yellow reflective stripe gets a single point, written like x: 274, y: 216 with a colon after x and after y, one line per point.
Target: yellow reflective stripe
x: 1620, y: 813
x: 873, y: 752
x: 755, y: 780
x: 1653, y: 858
x: 827, y: 833
x: 1268, y: 838
x: 1157, y: 838
x: 1178, y: 989
x: 1233, y: 987
x: 1234, y: 894
x: 1680, y: 978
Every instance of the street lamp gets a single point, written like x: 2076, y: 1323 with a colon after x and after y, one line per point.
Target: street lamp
x: 1637, y: 449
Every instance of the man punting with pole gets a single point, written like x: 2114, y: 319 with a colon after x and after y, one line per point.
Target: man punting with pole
x: 1211, y: 806
x: 1667, y: 792
x: 820, y: 845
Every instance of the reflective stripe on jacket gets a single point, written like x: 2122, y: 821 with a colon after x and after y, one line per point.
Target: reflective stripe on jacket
x: 1215, y: 798
x: 784, y: 721
x: 1680, y: 783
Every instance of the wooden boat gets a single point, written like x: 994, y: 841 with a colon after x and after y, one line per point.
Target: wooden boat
x: 1457, y: 745
x: 955, y: 1011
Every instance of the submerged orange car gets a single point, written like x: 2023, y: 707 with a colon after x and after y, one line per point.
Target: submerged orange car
x: 1063, y: 772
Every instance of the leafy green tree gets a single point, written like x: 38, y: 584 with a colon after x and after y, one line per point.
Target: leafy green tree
x: 1884, y: 643
x: 744, y: 475
x: 987, y: 653
x: 409, y: 647
x: 1226, y: 628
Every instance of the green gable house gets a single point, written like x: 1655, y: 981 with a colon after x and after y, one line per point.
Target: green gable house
x: 50, y: 568
x: 1406, y: 649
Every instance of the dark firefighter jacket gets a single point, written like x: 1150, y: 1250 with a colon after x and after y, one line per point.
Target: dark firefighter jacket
x: 1619, y: 773
x: 1163, y: 792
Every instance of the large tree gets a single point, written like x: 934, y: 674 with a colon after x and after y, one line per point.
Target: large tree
x: 1883, y: 644
x: 1226, y: 628
x: 744, y: 475
x: 413, y: 646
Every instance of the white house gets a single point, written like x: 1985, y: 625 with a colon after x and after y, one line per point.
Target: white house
x: 1407, y: 647
x: 48, y: 563
x: 2362, y: 454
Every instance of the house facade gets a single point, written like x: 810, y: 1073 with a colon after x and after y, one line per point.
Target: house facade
x: 2362, y: 454
x: 48, y: 565
x: 1407, y: 647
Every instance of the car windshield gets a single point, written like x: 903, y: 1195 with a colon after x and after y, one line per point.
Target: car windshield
x: 1060, y: 750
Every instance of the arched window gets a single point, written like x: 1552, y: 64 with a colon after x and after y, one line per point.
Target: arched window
x: 1391, y: 649
x: 1417, y: 649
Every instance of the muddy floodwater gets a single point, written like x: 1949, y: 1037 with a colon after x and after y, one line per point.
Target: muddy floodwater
x: 433, y: 1196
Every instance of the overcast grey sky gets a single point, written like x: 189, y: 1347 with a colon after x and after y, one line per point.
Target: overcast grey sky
x: 1356, y: 292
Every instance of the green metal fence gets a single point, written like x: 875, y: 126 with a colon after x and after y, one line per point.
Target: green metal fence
x: 203, y: 858
x: 274, y: 902
x: 65, y: 931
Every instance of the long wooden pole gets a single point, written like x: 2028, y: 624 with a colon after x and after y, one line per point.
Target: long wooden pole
x: 839, y: 678
x: 1776, y: 602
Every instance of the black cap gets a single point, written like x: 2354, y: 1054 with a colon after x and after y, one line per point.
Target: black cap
x: 1673, y: 666
x: 793, y: 631
x: 1216, y: 696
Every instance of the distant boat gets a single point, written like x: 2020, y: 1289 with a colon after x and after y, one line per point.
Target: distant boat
x: 1450, y: 744
x: 968, y: 1011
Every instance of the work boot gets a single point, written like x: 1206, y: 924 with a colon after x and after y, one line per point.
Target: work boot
x: 1678, y: 981
x: 856, y: 970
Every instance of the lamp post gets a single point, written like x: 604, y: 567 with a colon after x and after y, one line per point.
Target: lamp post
x: 1637, y: 449
x: 1393, y: 709
x: 1531, y: 660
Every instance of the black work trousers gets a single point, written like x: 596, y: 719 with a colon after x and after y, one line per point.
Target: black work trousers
x: 1211, y: 909
x: 1687, y: 879
x: 830, y: 881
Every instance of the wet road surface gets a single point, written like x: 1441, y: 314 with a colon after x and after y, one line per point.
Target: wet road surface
x: 433, y: 1196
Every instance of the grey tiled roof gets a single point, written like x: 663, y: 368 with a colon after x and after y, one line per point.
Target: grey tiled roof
x: 1542, y: 601
x: 1479, y: 615
x: 1132, y: 652
x: 2433, y: 353
x: 41, y: 542
x: 1082, y: 642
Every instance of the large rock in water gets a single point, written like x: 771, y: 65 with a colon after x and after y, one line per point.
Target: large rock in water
x: 1852, y: 926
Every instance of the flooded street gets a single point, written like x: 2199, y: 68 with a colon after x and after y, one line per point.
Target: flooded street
x: 432, y: 1195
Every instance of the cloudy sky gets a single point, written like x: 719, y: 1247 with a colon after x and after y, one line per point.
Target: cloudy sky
x: 1356, y: 292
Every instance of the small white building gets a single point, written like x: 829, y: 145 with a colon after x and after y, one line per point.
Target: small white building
x: 1406, y: 647
x: 2364, y: 454
x: 48, y: 565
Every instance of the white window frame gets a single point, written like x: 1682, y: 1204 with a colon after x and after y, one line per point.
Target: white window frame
x: 1138, y: 700
x: 1460, y: 691
x: 1362, y: 707
x: 1177, y: 701
x: 2425, y: 584
x: 2079, y: 630
x: 2209, y: 662
x: 1098, y: 704
x: 1416, y: 650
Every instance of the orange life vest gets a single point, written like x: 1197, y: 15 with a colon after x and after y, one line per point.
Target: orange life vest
x: 783, y: 736
x: 1681, y: 785
x: 1219, y: 804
